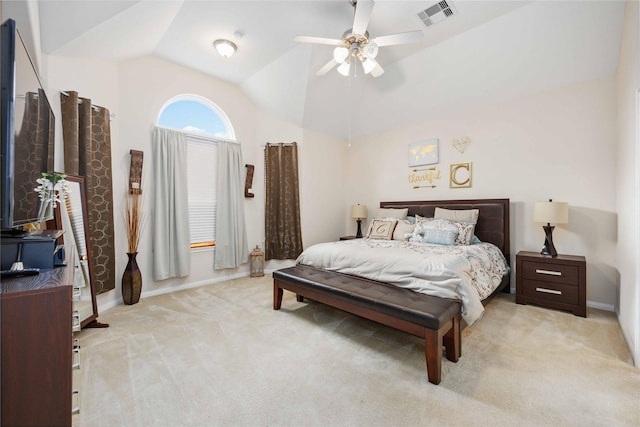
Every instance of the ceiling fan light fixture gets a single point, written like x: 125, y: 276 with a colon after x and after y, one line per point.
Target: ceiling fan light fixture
x: 340, y: 54
x: 225, y: 47
x: 368, y: 65
x: 344, y: 68
x: 370, y: 50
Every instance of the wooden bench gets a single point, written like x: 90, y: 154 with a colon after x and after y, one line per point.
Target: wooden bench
x: 437, y: 320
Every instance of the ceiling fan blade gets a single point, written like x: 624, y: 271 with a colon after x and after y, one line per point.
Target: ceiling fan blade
x: 400, y: 38
x: 361, y: 17
x: 327, y: 67
x: 318, y: 40
x: 377, y: 71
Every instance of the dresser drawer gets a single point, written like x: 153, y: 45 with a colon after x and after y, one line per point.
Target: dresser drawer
x: 558, y: 292
x: 553, y: 273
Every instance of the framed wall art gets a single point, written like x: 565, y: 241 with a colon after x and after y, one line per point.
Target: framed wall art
x: 423, y: 153
x: 460, y: 175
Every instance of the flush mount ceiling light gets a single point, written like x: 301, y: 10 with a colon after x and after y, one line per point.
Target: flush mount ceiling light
x: 225, y: 48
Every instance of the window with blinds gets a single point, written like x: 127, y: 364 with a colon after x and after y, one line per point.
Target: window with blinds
x: 202, y: 121
x: 202, y: 160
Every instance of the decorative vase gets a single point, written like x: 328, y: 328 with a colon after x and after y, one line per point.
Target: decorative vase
x: 131, y: 280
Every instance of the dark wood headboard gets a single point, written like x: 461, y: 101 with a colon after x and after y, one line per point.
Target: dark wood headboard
x: 493, y: 222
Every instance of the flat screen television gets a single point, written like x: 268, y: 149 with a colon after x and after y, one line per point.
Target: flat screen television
x: 27, y: 133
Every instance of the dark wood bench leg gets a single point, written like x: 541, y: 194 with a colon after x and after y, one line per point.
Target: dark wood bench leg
x: 433, y: 352
x: 453, y: 340
x: 277, y: 296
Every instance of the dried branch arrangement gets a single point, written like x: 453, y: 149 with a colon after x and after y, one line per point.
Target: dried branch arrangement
x: 135, y: 220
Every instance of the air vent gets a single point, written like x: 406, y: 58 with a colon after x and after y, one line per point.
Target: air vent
x: 437, y: 13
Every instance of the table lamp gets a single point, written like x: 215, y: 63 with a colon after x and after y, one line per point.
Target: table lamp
x: 359, y: 212
x: 550, y: 212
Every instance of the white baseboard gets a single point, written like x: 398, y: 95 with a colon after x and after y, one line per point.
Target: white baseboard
x: 601, y: 306
x: 110, y: 303
x: 106, y: 305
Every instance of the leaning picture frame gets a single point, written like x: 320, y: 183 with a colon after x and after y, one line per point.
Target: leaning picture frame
x: 424, y: 153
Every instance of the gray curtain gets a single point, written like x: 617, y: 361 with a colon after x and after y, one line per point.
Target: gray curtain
x: 283, y: 231
x: 86, y: 130
x: 171, y: 251
x: 231, y: 235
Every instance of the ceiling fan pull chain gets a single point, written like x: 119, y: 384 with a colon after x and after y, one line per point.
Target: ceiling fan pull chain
x: 349, y: 111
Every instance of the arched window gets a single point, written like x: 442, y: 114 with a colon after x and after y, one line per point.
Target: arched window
x: 195, y: 114
x: 204, y: 123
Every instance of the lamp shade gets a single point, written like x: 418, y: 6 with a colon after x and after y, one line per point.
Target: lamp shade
x: 368, y: 65
x: 344, y: 68
x: 551, y: 212
x: 358, y: 211
x: 340, y: 54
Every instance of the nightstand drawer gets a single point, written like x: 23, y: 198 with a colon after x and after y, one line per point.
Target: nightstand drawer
x: 558, y: 292
x: 555, y: 273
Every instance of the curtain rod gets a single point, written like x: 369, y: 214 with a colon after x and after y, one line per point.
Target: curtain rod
x: 94, y: 107
x: 275, y: 144
x: 197, y: 135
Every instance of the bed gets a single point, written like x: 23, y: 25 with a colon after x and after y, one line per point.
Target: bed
x: 433, y: 315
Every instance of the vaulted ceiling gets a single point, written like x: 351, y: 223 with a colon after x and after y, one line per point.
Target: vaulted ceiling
x: 487, y: 52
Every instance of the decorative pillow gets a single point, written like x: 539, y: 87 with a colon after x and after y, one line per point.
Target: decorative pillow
x: 460, y: 215
x: 379, y: 219
x: 475, y: 240
x: 391, y: 213
x: 465, y: 232
x: 404, y: 230
x: 420, y: 219
x: 382, y: 229
x: 411, y: 219
x: 427, y: 231
x: 418, y: 234
x: 440, y: 237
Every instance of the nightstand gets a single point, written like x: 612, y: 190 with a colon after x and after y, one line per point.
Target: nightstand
x: 348, y: 237
x: 555, y: 282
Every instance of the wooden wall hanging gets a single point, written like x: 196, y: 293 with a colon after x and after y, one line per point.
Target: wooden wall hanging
x: 135, y: 172
x: 248, y: 183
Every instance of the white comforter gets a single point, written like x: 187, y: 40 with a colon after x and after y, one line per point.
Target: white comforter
x: 465, y: 273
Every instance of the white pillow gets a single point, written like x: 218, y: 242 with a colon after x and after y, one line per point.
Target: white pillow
x: 403, y: 230
x: 461, y: 215
x: 391, y: 213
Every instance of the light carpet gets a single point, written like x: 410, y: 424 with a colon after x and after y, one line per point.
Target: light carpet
x: 219, y: 355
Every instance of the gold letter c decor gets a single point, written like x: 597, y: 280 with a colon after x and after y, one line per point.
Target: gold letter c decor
x: 460, y: 175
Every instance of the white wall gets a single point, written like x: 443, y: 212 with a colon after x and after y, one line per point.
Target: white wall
x: 627, y: 179
x: 135, y: 91
x: 27, y: 17
x: 557, y: 144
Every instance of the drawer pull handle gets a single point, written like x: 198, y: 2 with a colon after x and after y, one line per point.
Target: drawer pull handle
x: 75, y: 410
x: 549, y: 291
x: 76, y: 357
x: 549, y: 272
x: 75, y: 321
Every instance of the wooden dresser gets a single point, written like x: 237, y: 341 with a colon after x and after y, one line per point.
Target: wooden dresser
x: 555, y: 282
x: 36, y: 354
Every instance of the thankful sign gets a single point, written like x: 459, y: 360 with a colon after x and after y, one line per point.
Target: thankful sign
x: 420, y: 177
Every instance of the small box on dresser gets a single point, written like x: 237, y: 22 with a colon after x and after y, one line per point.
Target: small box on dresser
x: 554, y: 282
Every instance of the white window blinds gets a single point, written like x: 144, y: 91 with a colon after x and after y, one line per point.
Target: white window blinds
x: 202, y: 164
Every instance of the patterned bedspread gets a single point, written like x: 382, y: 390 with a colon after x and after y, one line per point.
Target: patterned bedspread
x: 465, y: 273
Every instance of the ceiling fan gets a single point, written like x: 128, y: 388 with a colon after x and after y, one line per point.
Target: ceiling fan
x: 356, y: 45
